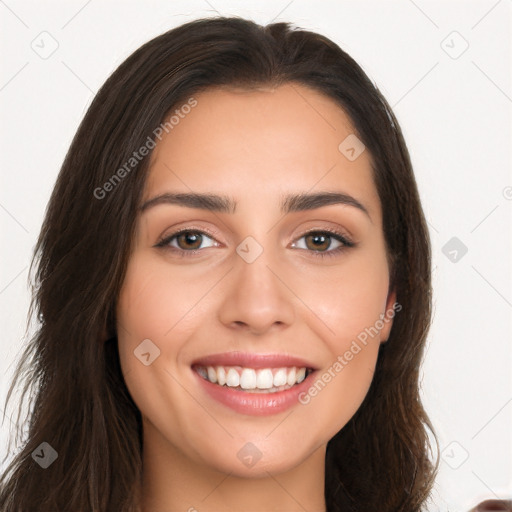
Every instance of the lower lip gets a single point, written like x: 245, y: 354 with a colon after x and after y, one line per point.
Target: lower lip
x: 255, y: 404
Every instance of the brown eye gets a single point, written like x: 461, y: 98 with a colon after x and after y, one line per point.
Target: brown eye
x: 189, y: 240
x: 318, y: 241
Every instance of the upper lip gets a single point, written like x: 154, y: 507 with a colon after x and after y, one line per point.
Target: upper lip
x: 251, y: 360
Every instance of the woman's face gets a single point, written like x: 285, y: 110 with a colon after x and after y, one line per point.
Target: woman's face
x: 259, y: 284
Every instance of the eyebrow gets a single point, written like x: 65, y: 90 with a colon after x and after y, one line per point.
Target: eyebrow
x: 224, y: 204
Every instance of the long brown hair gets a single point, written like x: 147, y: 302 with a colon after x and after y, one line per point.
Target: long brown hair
x: 382, y: 459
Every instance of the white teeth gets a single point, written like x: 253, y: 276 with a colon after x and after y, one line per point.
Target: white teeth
x: 221, y: 375
x: 248, y: 379
x: 264, y: 379
x: 280, y: 377
x: 212, y: 374
x: 292, y: 377
x: 270, y: 379
x: 233, y: 378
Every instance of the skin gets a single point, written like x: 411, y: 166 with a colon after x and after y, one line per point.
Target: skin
x: 254, y: 147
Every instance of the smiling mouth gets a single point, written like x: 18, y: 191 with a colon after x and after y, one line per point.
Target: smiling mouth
x: 251, y: 380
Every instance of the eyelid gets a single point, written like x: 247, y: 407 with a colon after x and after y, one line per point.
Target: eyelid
x: 340, y: 236
x: 163, y: 240
x: 336, y: 233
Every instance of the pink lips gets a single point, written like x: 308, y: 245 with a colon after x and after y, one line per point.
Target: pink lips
x: 254, y: 404
x: 252, y: 360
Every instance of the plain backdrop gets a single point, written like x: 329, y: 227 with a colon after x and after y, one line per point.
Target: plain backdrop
x: 445, y: 67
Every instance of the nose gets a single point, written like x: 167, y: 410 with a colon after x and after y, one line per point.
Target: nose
x: 257, y: 297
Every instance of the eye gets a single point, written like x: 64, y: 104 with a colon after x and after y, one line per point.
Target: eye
x: 186, y: 240
x: 320, y: 243
x: 189, y: 242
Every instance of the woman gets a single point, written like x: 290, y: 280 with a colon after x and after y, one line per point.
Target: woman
x: 275, y: 367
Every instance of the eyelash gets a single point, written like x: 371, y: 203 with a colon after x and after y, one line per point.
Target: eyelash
x: 340, y: 237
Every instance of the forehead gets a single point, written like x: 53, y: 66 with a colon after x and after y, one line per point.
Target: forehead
x: 254, y: 144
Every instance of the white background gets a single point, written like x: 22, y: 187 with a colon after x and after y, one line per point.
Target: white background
x: 456, y: 118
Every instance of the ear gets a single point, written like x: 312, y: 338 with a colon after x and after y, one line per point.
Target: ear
x: 392, y: 308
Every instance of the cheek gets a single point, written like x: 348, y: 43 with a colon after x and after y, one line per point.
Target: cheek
x: 349, y: 308
x: 148, y: 309
x: 338, y: 390
x: 347, y: 304
x: 152, y: 302
x: 348, y: 299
